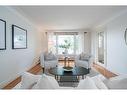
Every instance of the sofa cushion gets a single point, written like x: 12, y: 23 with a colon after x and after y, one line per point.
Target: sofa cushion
x: 118, y: 82
x: 87, y: 83
x: 46, y: 82
x: 98, y: 82
x: 28, y: 80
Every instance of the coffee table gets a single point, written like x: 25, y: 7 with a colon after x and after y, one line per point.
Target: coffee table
x: 74, y: 74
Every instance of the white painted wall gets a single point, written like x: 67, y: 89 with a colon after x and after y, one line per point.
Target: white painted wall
x: 116, y: 47
x: 14, y: 62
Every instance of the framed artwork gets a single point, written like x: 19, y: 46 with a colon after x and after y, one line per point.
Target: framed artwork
x: 19, y: 37
x: 2, y: 34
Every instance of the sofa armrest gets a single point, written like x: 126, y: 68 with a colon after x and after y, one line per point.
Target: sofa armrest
x: 90, y: 61
x: 77, y: 58
x: 42, y: 60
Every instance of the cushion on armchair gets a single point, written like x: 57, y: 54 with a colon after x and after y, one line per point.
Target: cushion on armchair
x: 84, y: 57
x: 49, y: 56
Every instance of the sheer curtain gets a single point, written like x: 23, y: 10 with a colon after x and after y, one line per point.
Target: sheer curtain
x: 52, y: 40
x: 81, y: 43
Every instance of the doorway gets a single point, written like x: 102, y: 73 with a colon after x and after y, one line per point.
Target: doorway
x: 101, y: 48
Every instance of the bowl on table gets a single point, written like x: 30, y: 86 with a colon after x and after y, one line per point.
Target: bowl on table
x: 67, y: 68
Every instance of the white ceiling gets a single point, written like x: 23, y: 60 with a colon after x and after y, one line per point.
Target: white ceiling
x: 68, y: 17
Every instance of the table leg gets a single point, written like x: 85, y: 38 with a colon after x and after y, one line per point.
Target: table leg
x: 55, y: 77
x: 83, y: 77
x: 78, y: 77
x: 43, y: 70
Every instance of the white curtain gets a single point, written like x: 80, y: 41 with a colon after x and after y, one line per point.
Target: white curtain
x: 51, y: 42
x: 81, y: 42
x: 52, y: 38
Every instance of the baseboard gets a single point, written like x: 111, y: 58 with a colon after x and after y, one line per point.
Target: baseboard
x: 9, y: 80
x: 104, y: 71
x: 16, y: 79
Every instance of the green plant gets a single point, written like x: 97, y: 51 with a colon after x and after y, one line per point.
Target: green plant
x: 66, y: 44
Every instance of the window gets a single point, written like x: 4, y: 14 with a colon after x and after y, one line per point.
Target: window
x: 69, y: 41
x: 64, y: 43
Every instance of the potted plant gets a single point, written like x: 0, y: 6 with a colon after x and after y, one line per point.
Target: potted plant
x: 66, y: 46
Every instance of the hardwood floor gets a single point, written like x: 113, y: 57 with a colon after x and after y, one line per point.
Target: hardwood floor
x: 38, y: 68
x: 104, y: 71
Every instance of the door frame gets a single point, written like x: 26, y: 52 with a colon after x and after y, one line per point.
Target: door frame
x: 105, y: 47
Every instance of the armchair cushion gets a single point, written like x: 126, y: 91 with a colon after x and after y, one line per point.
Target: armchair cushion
x: 48, y: 60
x: 49, y: 56
x: 84, y: 57
x: 82, y: 63
x: 83, y: 60
x: 50, y: 63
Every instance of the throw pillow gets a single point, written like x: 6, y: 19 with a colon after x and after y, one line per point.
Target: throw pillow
x: 84, y: 57
x: 49, y: 56
x: 46, y: 82
x: 118, y: 82
x: 87, y: 83
x: 99, y: 83
x: 28, y: 80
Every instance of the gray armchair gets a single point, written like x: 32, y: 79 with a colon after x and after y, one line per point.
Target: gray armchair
x: 84, y: 60
x: 48, y: 60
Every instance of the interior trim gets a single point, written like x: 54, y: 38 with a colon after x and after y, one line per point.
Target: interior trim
x: 104, y: 71
x: 33, y: 70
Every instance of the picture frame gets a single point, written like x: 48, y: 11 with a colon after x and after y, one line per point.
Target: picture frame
x: 19, y: 37
x: 125, y: 36
x: 2, y: 34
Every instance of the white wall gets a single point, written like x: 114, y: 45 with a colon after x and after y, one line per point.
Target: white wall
x: 116, y: 47
x: 14, y: 61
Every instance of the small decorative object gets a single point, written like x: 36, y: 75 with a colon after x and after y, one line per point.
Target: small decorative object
x: 19, y: 37
x: 125, y: 36
x: 2, y: 34
x: 67, y: 68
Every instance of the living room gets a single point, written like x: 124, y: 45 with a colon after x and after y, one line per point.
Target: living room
x: 99, y: 31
